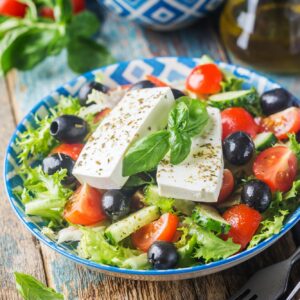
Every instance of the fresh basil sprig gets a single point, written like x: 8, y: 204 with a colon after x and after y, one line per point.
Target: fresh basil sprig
x: 187, y: 119
x: 26, y: 42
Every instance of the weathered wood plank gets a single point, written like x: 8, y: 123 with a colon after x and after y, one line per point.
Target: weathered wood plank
x: 19, y: 251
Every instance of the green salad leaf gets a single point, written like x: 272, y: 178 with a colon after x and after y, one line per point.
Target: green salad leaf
x: 180, y: 146
x: 32, y: 289
x: 94, y: 246
x: 281, y: 206
x: 230, y: 82
x: 44, y: 195
x: 294, y: 145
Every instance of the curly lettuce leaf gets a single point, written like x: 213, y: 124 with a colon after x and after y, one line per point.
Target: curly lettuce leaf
x: 37, y: 141
x: 94, y: 246
x: 32, y: 289
x: 294, y: 145
x: 281, y: 206
x: 44, y: 195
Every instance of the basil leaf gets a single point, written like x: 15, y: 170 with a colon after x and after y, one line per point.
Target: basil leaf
x: 180, y: 145
x: 198, y: 115
x: 178, y: 116
x: 140, y: 180
x: 31, y: 12
x: 76, y: 28
x: 85, y: 54
x: 146, y: 153
x: 63, y: 11
x: 32, y: 289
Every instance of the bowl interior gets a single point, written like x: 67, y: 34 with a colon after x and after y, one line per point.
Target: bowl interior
x: 170, y: 68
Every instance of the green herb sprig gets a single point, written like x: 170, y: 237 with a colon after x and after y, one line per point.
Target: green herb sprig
x: 26, y: 42
x: 187, y: 119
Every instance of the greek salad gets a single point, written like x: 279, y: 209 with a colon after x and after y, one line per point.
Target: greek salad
x: 163, y: 175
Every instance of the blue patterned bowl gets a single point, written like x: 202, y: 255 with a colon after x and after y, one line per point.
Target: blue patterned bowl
x: 172, y: 69
x: 162, y: 15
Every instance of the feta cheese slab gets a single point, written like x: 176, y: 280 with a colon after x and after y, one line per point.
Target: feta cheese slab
x: 199, y: 177
x: 139, y: 113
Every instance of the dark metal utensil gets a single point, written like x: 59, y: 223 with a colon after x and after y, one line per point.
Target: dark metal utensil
x: 269, y: 283
x: 294, y: 292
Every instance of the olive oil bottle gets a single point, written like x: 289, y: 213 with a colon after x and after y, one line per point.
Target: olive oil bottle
x: 263, y: 33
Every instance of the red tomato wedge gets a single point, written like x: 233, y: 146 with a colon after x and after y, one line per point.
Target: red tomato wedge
x: 101, y: 115
x: 73, y: 150
x: 84, y: 207
x: 77, y: 5
x: 227, y: 186
x: 163, y: 229
x: 277, y: 167
x: 244, y: 222
x: 283, y: 123
x: 12, y: 8
x: 238, y: 119
x: 156, y: 81
x: 204, y: 79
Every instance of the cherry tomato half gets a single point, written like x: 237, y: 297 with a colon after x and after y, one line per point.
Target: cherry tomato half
x: 244, y: 222
x: 282, y: 123
x: 237, y: 119
x: 77, y: 5
x: 204, y: 79
x: 73, y: 150
x: 12, y: 8
x: 101, y: 115
x: 227, y: 186
x: 163, y: 229
x: 156, y: 81
x: 277, y: 167
x: 84, y: 207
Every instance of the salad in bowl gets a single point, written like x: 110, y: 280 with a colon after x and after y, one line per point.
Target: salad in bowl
x: 159, y: 175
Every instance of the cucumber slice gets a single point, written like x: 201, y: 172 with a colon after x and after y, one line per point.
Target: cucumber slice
x: 264, y: 140
x: 209, y: 217
x: 248, y: 99
x: 125, y: 227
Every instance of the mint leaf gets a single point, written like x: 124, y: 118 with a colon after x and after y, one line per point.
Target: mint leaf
x: 32, y: 289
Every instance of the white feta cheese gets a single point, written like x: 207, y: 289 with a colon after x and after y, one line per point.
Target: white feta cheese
x: 199, y: 177
x: 135, y: 116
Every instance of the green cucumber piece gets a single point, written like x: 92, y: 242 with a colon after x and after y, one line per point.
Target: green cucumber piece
x: 125, y: 227
x: 248, y: 99
x: 208, y: 217
x: 264, y: 140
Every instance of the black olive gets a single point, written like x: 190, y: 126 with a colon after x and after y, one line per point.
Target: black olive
x: 115, y: 204
x: 88, y: 88
x: 163, y: 255
x: 69, y: 129
x: 275, y: 100
x: 57, y: 162
x: 144, y: 84
x: 177, y: 94
x: 256, y: 194
x: 238, y: 148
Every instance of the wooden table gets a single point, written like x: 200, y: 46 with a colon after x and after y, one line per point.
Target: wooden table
x: 20, y: 251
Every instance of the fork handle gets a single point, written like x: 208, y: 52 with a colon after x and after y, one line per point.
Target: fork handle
x: 295, y: 256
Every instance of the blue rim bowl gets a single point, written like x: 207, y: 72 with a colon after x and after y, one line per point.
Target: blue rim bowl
x: 172, y: 69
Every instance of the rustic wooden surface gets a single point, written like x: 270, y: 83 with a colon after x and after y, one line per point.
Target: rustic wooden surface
x: 19, y: 251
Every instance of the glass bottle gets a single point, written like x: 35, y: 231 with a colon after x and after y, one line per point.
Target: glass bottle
x: 263, y: 33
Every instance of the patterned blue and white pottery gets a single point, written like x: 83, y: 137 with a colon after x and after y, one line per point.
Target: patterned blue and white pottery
x: 162, y: 15
x: 172, y: 69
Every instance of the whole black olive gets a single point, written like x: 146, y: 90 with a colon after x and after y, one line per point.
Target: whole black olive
x: 144, y: 84
x: 57, y: 162
x: 69, y: 129
x: 163, y: 255
x: 238, y: 148
x: 275, y: 100
x: 115, y: 204
x: 256, y: 194
x: 88, y: 88
x: 177, y: 94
